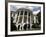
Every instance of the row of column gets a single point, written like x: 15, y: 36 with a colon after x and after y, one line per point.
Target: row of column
x: 28, y: 19
x: 17, y: 19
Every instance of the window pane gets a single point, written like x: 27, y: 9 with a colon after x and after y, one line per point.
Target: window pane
x: 25, y: 12
x: 20, y: 20
x: 25, y: 18
x: 21, y: 13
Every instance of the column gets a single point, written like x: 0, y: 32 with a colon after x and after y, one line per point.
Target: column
x: 18, y: 18
x: 27, y: 20
x: 15, y: 18
x: 30, y: 21
x: 35, y: 19
x: 23, y: 19
x: 27, y: 17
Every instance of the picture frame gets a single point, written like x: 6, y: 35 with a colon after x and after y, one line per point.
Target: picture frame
x: 34, y: 6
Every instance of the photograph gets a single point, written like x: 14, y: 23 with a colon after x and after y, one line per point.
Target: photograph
x: 25, y: 18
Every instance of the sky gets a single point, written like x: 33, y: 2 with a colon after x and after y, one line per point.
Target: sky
x: 35, y: 9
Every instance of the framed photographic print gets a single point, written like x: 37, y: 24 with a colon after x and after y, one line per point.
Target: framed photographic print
x: 25, y: 18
